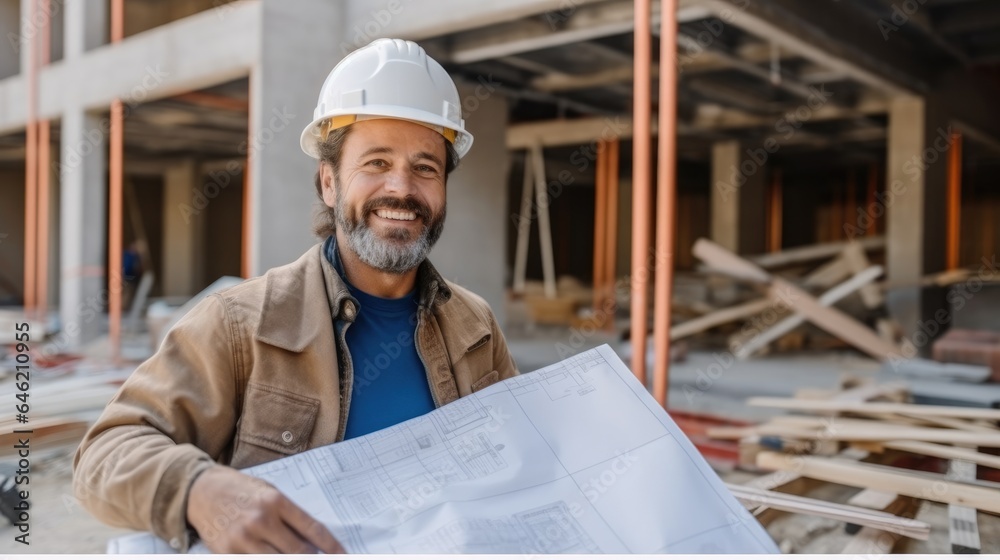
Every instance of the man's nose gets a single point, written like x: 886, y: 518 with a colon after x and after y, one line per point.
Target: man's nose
x: 401, y: 181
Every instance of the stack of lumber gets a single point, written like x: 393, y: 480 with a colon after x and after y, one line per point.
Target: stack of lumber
x: 786, y: 304
x: 898, y: 454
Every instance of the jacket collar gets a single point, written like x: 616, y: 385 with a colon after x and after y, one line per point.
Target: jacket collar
x: 290, y: 318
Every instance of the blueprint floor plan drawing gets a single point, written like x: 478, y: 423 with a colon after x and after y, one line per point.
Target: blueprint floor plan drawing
x: 573, y: 458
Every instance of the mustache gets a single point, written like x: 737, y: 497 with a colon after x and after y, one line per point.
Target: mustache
x: 408, y: 204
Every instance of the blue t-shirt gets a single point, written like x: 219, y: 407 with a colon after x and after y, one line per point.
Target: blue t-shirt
x: 390, y: 382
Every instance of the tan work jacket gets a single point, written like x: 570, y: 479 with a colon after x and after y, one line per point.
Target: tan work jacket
x: 258, y: 372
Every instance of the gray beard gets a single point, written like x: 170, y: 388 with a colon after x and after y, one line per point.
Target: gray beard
x: 395, y: 254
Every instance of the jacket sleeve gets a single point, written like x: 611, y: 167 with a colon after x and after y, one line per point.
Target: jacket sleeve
x: 168, y: 423
x: 503, y: 362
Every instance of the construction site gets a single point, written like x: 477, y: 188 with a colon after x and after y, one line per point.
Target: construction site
x: 780, y: 214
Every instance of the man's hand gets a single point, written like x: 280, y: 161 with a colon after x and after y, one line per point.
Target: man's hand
x: 237, y: 513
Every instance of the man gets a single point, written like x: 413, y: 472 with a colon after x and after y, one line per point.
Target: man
x: 358, y: 334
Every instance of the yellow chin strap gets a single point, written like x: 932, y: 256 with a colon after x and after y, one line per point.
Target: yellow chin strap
x: 341, y: 121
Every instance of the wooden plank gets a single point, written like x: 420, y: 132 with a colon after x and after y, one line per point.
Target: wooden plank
x: 835, y: 321
x: 831, y: 320
x: 828, y: 274
x: 876, y: 408
x: 876, y: 541
x: 856, y: 260
x: 888, y: 479
x: 830, y: 297
x: 843, y: 432
x: 862, y: 516
x: 963, y: 526
x: 813, y: 253
x: 720, y: 317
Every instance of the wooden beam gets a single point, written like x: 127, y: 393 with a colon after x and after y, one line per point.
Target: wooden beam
x: 876, y: 541
x: 944, y: 452
x: 856, y: 260
x: 860, y: 280
x: 954, y: 210
x: 832, y: 320
x: 851, y: 514
x: 888, y: 479
x: 877, y: 408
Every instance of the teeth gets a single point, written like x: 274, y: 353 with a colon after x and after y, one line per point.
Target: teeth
x: 395, y: 215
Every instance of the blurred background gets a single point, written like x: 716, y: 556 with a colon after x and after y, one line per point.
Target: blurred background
x: 149, y: 154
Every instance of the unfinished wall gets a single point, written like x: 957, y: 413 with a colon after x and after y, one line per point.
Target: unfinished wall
x: 10, y: 24
x: 472, y: 246
x: 223, y: 233
x: 142, y: 15
x: 11, y: 234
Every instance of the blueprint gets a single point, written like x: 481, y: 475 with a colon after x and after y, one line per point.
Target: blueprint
x: 573, y: 458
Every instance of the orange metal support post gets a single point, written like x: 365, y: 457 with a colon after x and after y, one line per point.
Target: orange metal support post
x: 954, y: 201
x: 115, y: 178
x: 775, y: 213
x: 666, y: 198
x: 641, y: 174
x: 31, y: 173
x: 600, y: 222
x: 44, y: 155
x: 611, y: 245
x: 871, y: 227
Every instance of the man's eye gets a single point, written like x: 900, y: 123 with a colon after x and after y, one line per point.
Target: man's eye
x: 378, y: 163
x: 426, y: 169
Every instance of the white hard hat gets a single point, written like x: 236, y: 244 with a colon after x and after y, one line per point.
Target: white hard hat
x: 388, y: 78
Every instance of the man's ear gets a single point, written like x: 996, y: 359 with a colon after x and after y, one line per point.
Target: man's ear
x: 326, y: 178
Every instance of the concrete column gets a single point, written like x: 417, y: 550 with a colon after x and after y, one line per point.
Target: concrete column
x: 739, y: 181
x: 183, y: 232
x: 10, y: 31
x: 284, y: 87
x: 86, y: 27
x: 914, y: 205
x: 82, y: 223
x: 471, y: 250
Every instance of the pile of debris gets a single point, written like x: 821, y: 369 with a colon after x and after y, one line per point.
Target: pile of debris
x: 899, y: 454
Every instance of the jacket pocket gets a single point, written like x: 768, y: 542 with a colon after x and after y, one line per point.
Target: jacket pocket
x: 486, y: 380
x: 277, y: 420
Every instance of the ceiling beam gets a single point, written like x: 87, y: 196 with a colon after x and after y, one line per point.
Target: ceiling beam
x: 824, y: 33
x: 967, y: 17
x: 588, y: 22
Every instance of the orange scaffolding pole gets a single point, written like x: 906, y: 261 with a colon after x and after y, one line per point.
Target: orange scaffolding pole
x: 31, y: 173
x: 44, y: 155
x: 611, y: 245
x: 954, y: 201
x: 641, y: 177
x: 600, y: 222
x: 851, y: 204
x: 666, y: 198
x: 775, y: 212
x: 115, y: 195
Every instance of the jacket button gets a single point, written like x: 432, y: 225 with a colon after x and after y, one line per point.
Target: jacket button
x: 349, y: 310
x: 287, y: 436
x: 175, y: 543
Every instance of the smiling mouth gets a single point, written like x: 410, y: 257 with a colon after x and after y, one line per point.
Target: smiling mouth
x: 398, y: 215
